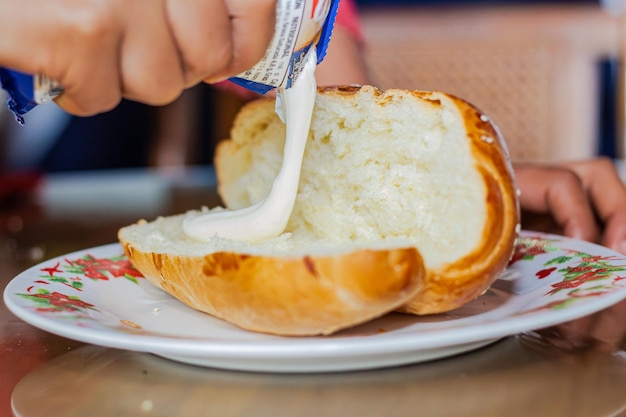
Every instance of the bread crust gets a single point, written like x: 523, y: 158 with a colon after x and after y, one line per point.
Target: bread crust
x: 299, y: 296
x: 453, y: 285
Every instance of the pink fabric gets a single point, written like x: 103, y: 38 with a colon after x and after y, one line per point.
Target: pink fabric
x: 347, y: 17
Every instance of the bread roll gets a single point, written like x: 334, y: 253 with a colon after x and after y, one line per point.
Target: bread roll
x: 407, y: 201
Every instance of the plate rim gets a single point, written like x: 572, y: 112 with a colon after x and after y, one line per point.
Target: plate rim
x: 293, y: 348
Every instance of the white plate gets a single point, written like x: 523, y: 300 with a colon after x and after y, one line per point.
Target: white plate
x: 95, y: 296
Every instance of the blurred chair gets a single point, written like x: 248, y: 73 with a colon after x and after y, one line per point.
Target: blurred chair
x: 532, y: 69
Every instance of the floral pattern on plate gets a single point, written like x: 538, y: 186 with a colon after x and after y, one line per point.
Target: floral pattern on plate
x: 73, y: 273
x: 580, y: 274
x: 97, y: 296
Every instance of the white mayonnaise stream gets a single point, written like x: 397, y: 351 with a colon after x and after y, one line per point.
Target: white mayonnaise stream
x: 268, y: 218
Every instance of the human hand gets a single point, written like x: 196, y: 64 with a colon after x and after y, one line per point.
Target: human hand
x: 584, y: 200
x: 147, y: 51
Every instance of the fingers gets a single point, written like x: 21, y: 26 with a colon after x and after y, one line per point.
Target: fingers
x: 147, y: 51
x: 582, y: 197
x: 229, y: 36
x: 99, y: 51
x: 150, y: 64
x: 202, y: 30
x: 614, y: 236
x: 559, y: 192
x: 125, y: 50
x: 607, y: 193
x: 601, y: 179
x: 252, y: 29
x: 57, y: 33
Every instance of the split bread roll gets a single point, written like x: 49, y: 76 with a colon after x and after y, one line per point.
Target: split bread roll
x: 407, y: 201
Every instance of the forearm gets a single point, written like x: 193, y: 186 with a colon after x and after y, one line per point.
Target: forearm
x: 344, y: 63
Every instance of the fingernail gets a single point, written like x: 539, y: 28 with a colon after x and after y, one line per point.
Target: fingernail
x: 215, y: 80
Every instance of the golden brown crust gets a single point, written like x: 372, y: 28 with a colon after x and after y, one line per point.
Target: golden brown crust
x: 455, y: 284
x: 287, y: 296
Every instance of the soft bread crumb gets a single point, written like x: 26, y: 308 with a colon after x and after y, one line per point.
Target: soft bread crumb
x: 165, y: 235
x: 411, y: 176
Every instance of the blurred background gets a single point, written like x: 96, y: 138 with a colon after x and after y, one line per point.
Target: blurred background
x: 546, y: 72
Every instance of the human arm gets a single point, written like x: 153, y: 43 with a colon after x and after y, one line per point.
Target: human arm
x: 344, y: 62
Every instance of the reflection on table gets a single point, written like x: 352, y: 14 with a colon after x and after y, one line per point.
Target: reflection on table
x: 512, y: 377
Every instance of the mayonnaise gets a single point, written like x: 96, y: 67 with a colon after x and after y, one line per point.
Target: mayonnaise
x: 268, y: 218
x: 302, y: 32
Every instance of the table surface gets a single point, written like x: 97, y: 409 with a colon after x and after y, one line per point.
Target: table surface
x: 45, y: 375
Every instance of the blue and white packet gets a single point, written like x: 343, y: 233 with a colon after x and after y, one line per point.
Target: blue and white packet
x: 299, y: 25
x: 26, y: 91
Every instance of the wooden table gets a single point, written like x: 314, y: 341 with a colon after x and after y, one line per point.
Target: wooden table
x: 46, y: 375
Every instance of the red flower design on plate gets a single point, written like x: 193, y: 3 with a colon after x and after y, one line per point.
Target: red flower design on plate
x: 52, y: 270
x: 527, y: 248
x: 95, y: 268
x: 56, y: 301
x: 545, y: 272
